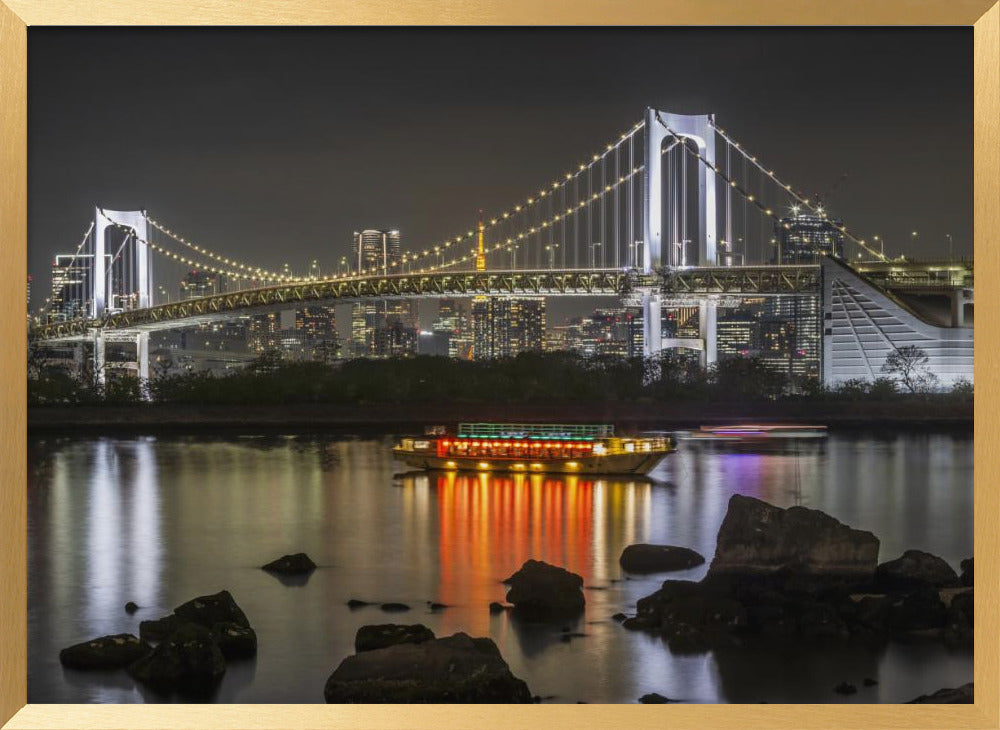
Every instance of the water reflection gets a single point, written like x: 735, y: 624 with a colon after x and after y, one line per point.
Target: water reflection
x: 158, y: 521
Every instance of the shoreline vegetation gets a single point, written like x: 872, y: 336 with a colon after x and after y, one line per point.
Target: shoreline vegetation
x: 424, y: 390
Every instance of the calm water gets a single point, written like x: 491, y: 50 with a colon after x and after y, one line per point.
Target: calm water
x: 161, y: 520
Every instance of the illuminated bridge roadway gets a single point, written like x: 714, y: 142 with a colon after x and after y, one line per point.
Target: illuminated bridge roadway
x: 680, y: 282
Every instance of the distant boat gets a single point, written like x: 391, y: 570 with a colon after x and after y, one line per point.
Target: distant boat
x: 753, y: 433
x: 535, y: 448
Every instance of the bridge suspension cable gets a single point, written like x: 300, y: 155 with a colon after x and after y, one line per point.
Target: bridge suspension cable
x: 786, y: 187
x: 750, y: 197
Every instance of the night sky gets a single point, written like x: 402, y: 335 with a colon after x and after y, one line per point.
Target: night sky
x: 274, y: 145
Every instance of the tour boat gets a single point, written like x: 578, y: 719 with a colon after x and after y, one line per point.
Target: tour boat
x: 535, y: 448
x: 754, y: 433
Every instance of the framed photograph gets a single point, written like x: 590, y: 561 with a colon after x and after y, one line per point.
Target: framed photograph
x: 516, y: 363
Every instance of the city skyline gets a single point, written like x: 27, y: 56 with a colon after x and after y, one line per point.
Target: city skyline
x: 242, y: 164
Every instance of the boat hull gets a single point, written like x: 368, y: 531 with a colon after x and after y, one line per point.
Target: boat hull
x: 626, y: 464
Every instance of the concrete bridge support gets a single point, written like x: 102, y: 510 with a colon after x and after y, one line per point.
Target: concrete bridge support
x: 959, y: 298
x: 696, y: 127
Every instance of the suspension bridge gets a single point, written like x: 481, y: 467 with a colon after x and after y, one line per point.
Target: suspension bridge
x: 674, y: 209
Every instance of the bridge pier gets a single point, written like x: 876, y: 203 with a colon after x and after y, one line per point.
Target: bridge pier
x: 141, y: 362
x: 959, y: 298
x: 98, y: 357
x: 707, y: 331
x: 652, y: 323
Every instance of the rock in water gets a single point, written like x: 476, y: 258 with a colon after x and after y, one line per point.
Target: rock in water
x: 845, y: 688
x: 234, y: 641
x: 496, y: 607
x: 964, y: 695
x: 542, y: 589
x: 158, y: 629
x: 916, y: 569
x: 455, y: 668
x: 959, y: 629
x: 655, y: 698
x: 643, y: 558
x: 296, y: 564
x: 188, y: 661
x: 380, y: 636
x: 210, y: 610
x: 394, y: 607
x: 759, y: 538
x: 105, y: 652
x: 131, y: 607
x: 357, y: 603
x: 967, y: 572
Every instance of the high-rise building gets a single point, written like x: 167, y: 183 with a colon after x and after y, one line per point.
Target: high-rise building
x: 376, y: 249
x: 72, y: 289
x: 264, y: 332
x: 791, y: 335
x: 381, y: 328
x: 317, y: 328
x: 783, y: 331
x: 198, y: 283
x: 802, y: 236
x: 505, y: 326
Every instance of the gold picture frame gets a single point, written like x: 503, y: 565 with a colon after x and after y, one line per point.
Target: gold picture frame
x: 16, y: 15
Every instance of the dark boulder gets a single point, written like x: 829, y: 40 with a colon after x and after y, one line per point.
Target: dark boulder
x: 964, y: 695
x: 619, y: 617
x: 545, y: 590
x: 759, y: 538
x: 357, y: 603
x: 394, y: 607
x: 380, y: 636
x: 296, y: 564
x: 188, y: 661
x: 497, y: 607
x: 655, y: 698
x: 435, y: 606
x: 105, y: 652
x: 452, y: 669
x: 210, y: 610
x: 966, y: 577
x: 158, y: 629
x: 691, y: 616
x: 960, y: 621
x: 643, y: 558
x: 131, y: 607
x: 234, y: 641
x: 916, y: 569
x: 921, y: 610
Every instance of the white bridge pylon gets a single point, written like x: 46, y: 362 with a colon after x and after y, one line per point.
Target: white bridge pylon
x: 103, y: 289
x: 660, y: 127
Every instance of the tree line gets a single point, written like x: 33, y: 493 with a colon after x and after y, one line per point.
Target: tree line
x: 557, y: 377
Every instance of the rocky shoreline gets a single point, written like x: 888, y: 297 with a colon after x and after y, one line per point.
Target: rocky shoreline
x: 778, y: 576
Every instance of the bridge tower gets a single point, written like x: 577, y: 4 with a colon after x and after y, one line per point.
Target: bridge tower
x: 481, y: 251
x: 102, y: 285
x: 699, y: 128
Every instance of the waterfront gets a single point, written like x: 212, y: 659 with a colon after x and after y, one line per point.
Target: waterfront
x: 158, y: 520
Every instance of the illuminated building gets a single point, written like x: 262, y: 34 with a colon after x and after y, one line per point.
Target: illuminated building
x: 71, y: 285
x: 803, y: 235
x: 782, y: 331
x: 264, y: 332
x: 317, y: 330
x: 505, y: 326
x: 381, y: 328
x: 198, y: 283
